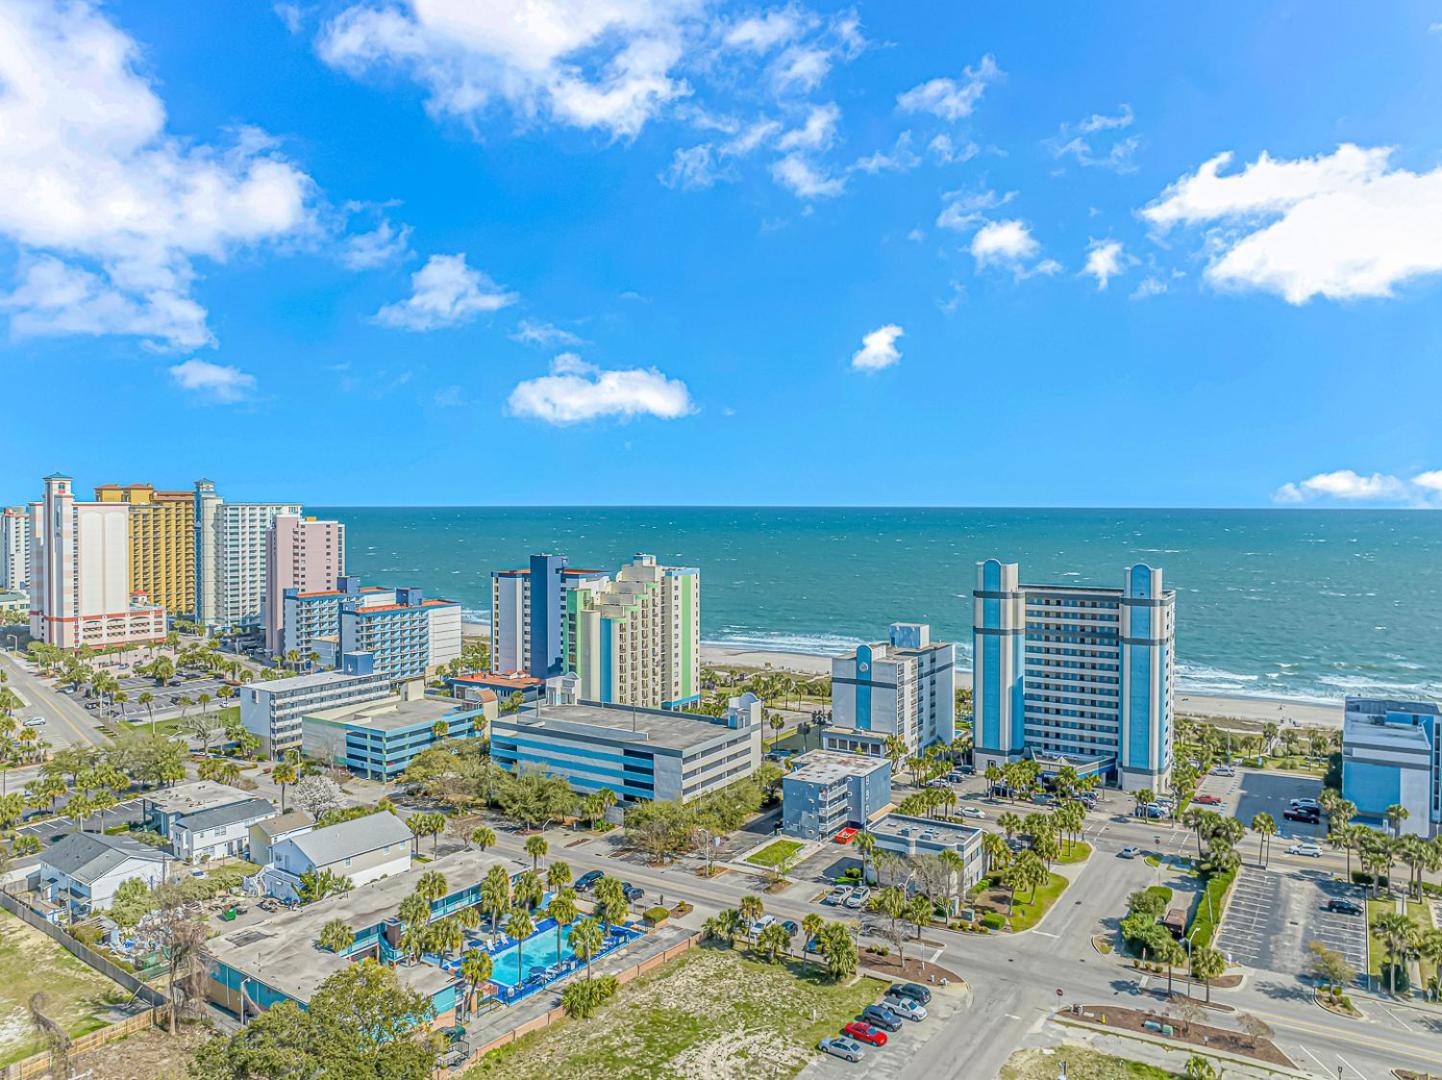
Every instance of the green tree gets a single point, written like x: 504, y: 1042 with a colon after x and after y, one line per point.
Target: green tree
x: 563, y: 910
x: 1397, y: 933
x: 495, y: 893
x: 336, y: 936
x: 475, y: 969
x: 483, y: 836
x: 837, y: 948
x: 585, y: 939
x: 519, y: 927
x: 284, y: 774
x: 772, y: 942
x: 536, y: 848
x: 558, y: 875
x: 1208, y: 964
x: 582, y: 999
x: 1265, y: 826
x: 431, y: 886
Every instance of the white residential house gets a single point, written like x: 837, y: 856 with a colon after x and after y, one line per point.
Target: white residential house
x: 264, y: 835
x: 363, y: 849
x: 219, y: 832
x: 83, y: 871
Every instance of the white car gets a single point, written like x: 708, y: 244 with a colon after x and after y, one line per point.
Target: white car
x: 845, y: 1049
x: 1305, y: 849
x: 905, y: 1007
x: 838, y: 895
x: 858, y: 898
x: 35, y: 721
x: 762, y: 923
x: 1131, y: 851
x: 971, y: 812
x: 937, y: 783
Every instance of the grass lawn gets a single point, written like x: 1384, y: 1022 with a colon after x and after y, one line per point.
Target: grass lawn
x: 168, y: 727
x: 1080, y: 852
x: 711, y: 1012
x: 1377, y: 949
x: 75, y: 994
x: 1081, y: 1064
x: 776, y: 854
x: 1028, y: 910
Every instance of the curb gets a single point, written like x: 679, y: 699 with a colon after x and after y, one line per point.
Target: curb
x: 1186, y: 1047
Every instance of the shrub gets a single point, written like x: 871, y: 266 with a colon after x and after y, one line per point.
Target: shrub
x: 681, y: 908
x: 656, y: 915
x: 1209, y: 908
x: 581, y: 999
x: 993, y: 920
x: 87, y: 935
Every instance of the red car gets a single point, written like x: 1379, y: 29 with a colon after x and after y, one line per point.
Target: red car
x: 1208, y: 800
x: 865, y: 1033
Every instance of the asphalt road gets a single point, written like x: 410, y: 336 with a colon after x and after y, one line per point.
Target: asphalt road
x: 66, y: 722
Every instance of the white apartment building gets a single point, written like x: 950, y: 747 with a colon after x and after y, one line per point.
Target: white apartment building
x: 14, y: 549
x: 272, y: 711
x: 80, y: 564
x: 905, y: 686
x: 230, y: 556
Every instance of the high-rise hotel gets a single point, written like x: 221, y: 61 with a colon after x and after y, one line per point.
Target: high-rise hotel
x: 1068, y: 674
x: 230, y: 557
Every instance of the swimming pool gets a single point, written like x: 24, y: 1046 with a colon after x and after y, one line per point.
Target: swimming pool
x: 519, y: 968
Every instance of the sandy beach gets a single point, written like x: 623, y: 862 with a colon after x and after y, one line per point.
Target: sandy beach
x: 1255, y: 710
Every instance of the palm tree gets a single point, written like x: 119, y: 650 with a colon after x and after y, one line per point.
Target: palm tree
x: 1208, y: 964
x: 811, y: 926
x: 536, y: 848
x: 1265, y: 826
x: 558, y: 875
x: 475, y: 969
x: 563, y: 909
x: 865, y: 843
x: 483, y: 836
x: 993, y: 776
x: 895, y: 750
x: 1397, y: 932
x: 585, y: 938
x: 336, y: 936
x: 1009, y: 823
x: 519, y: 926
x: 284, y: 774
x: 495, y: 893
x: 1396, y: 814
x: 146, y: 701
x: 750, y: 908
x: 431, y: 886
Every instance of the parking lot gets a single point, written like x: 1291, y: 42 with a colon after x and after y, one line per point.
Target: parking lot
x: 1254, y: 791
x: 892, y: 1059
x: 1273, y: 916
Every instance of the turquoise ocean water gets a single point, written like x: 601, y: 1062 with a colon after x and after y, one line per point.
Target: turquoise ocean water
x: 1296, y: 603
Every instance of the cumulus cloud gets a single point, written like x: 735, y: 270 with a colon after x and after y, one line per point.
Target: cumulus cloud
x: 951, y: 99
x: 1106, y: 259
x: 213, y: 382
x: 576, y: 391
x: 604, y: 65
x: 949, y: 152
x: 1089, y: 144
x: 383, y: 244
x: 900, y: 158
x: 807, y: 180
x: 1346, y: 485
x: 878, y: 349
x: 762, y: 33
x: 543, y: 334
x: 445, y: 292
x: 107, y: 208
x: 1342, y: 225
x: 816, y: 133
x: 963, y: 211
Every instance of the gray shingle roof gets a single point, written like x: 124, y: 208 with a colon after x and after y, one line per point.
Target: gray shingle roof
x: 220, y: 816
x: 351, y: 838
x: 88, y: 857
x: 286, y: 822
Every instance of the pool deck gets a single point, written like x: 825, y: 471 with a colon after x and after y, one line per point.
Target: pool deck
x: 498, y: 1024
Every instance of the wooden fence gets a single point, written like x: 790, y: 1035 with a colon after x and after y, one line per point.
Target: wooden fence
x: 37, y: 1065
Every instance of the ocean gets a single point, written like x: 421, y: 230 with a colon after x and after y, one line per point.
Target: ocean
x: 1303, y: 604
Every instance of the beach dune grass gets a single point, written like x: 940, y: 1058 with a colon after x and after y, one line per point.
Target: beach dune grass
x: 775, y: 854
x: 1082, y: 1063
x: 711, y: 1012
x: 76, y: 995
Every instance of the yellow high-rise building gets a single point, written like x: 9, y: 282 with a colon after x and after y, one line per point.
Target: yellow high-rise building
x: 162, y: 542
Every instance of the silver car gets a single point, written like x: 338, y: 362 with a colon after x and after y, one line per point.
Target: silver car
x: 838, y: 895
x: 858, y: 898
x: 905, y: 1007
x: 845, y: 1049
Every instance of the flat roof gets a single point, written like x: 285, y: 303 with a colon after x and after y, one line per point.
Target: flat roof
x: 281, y: 951
x: 513, y: 681
x: 828, y: 766
x: 654, y: 727
x: 306, y: 682
x: 196, y: 796
x: 906, y: 827
x: 392, y: 713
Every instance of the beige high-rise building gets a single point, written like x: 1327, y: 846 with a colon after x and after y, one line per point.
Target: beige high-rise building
x: 162, y: 542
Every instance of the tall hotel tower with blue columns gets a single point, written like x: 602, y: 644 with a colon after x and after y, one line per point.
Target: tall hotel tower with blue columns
x: 1067, y: 674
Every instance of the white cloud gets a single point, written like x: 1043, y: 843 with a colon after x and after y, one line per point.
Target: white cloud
x: 818, y: 131
x: 576, y: 391
x: 90, y: 179
x: 291, y: 15
x: 751, y: 138
x: 1009, y: 242
x: 963, y: 211
x: 364, y: 251
x: 900, y: 158
x: 1348, y: 486
x: 1148, y: 286
x: 878, y: 349
x: 692, y: 168
x: 1106, y: 259
x: 214, y: 382
x: 544, y: 334
x: 803, y: 178
x: 1078, y: 140
x: 952, y: 99
x: 1343, y: 225
x: 605, y: 64
x: 450, y: 397
x: 445, y: 292
x: 800, y: 69
x: 762, y: 33
x: 948, y: 152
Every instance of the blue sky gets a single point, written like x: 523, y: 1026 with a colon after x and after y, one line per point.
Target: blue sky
x: 663, y: 253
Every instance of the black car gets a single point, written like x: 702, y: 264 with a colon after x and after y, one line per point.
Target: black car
x: 588, y: 880
x: 915, y: 991
x: 1342, y: 907
x: 882, y: 1017
x: 632, y: 893
x: 1304, y: 814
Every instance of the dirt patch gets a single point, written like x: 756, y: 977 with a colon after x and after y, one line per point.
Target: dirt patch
x: 1202, y: 1035
x: 146, y: 1055
x: 916, y: 970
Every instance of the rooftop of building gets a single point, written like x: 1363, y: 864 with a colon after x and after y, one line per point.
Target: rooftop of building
x: 217, y: 817
x: 829, y: 766
x: 654, y: 727
x: 88, y: 857
x: 378, y: 609
x: 314, y: 680
x: 281, y: 952
x: 1378, y: 708
x: 284, y: 823
x: 350, y: 838
x: 195, y: 796
x: 906, y: 827
x: 394, y: 713
x: 513, y: 681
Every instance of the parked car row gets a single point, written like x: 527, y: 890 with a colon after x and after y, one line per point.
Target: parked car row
x: 854, y: 897
x: 877, y: 1023
x: 587, y: 881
